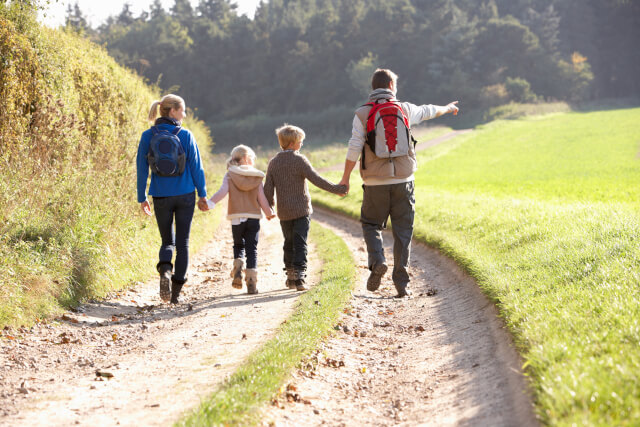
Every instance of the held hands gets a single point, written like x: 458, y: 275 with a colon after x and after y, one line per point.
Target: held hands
x: 146, y: 207
x: 202, y: 204
x: 345, y: 183
x: 271, y: 216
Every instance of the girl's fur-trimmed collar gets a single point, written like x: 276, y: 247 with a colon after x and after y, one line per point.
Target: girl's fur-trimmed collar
x: 246, y: 170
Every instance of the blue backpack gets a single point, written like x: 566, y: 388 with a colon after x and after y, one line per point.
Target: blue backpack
x: 166, y: 156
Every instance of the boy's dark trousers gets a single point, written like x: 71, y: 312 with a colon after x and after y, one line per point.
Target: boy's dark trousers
x: 166, y: 208
x: 295, y: 232
x: 245, y: 239
x: 379, y: 202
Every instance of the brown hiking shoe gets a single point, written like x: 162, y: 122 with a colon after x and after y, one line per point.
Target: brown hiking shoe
x: 300, y: 280
x: 236, y: 273
x: 291, y: 279
x: 404, y: 293
x: 375, y: 277
x: 165, y: 285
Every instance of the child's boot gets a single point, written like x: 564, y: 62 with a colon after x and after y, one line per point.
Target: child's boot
x: 236, y: 273
x: 251, y: 276
x: 176, y: 287
x: 291, y: 278
x: 299, y: 280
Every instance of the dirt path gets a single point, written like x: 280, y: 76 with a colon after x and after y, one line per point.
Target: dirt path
x: 439, y: 358
x: 162, y: 359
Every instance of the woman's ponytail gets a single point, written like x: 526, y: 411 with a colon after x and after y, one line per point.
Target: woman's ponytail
x: 153, y: 112
x: 165, y: 105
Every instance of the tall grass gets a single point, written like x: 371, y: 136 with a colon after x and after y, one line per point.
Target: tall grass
x: 70, y: 123
x: 543, y: 212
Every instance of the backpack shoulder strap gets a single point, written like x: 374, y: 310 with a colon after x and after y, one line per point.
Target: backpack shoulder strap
x: 177, y: 130
x: 154, y: 130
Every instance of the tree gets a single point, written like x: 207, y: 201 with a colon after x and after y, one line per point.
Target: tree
x: 76, y: 20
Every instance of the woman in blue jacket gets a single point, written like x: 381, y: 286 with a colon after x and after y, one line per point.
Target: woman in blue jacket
x: 173, y: 189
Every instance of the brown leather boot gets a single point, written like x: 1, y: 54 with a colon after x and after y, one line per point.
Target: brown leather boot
x: 300, y: 280
x: 291, y: 278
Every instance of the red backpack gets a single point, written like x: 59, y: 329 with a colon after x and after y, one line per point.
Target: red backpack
x: 388, y: 130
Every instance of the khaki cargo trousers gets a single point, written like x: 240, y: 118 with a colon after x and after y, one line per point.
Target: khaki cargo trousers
x: 379, y: 203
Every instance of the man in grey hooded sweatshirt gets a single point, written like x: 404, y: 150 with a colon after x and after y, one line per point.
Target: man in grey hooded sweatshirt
x: 388, y: 190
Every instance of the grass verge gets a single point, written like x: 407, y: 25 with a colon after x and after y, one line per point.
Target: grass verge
x: 260, y: 377
x: 543, y: 212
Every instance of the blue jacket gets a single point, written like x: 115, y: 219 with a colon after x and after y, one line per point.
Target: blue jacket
x: 165, y: 186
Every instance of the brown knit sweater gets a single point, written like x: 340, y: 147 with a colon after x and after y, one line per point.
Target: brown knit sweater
x: 287, y: 174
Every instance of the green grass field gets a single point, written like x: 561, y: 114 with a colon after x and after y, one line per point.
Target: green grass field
x: 544, y: 213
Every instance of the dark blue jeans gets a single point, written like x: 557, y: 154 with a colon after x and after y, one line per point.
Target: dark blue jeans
x: 245, y: 239
x: 295, y: 233
x: 166, y: 209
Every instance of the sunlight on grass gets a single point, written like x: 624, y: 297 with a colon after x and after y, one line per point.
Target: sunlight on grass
x: 260, y: 377
x: 543, y: 212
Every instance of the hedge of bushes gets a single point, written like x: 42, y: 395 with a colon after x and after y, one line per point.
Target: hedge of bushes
x: 70, y: 122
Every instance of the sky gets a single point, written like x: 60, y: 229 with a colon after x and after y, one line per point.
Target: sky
x: 97, y: 11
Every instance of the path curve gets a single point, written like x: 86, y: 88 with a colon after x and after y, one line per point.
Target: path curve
x: 442, y: 357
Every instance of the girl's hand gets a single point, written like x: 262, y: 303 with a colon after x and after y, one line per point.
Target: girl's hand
x: 270, y: 217
x: 146, y: 207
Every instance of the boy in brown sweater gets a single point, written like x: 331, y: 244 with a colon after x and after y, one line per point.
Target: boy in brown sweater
x: 287, y: 173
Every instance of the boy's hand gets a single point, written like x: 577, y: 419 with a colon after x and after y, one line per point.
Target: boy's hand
x: 345, y: 183
x: 270, y: 217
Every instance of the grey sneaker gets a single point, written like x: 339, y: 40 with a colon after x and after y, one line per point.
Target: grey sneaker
x: 165, y: 285
x: 373, y: 282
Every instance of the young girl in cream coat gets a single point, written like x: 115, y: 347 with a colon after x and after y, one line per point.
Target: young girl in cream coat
x: 243, y: 184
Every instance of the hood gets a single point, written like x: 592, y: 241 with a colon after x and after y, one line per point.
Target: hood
x: 245, y: 177
x: 378, y: 94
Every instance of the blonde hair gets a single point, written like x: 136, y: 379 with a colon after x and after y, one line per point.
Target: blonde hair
x: 166, y: 104
x: 238, y: 153
x: 289, y: 135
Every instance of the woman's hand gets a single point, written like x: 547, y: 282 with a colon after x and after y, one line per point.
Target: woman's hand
x: 202, y: 204
x: 146, y: 207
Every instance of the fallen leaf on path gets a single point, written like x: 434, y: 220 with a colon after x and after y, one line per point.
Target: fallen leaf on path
x: 69, y: 318
x: 334, y: 363
x: 103, y: 374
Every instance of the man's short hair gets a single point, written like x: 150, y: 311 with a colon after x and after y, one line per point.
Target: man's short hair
x: 289, y: 135
x: 382, y: 77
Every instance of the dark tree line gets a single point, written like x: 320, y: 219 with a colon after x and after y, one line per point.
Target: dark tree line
x: 302, y: 56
